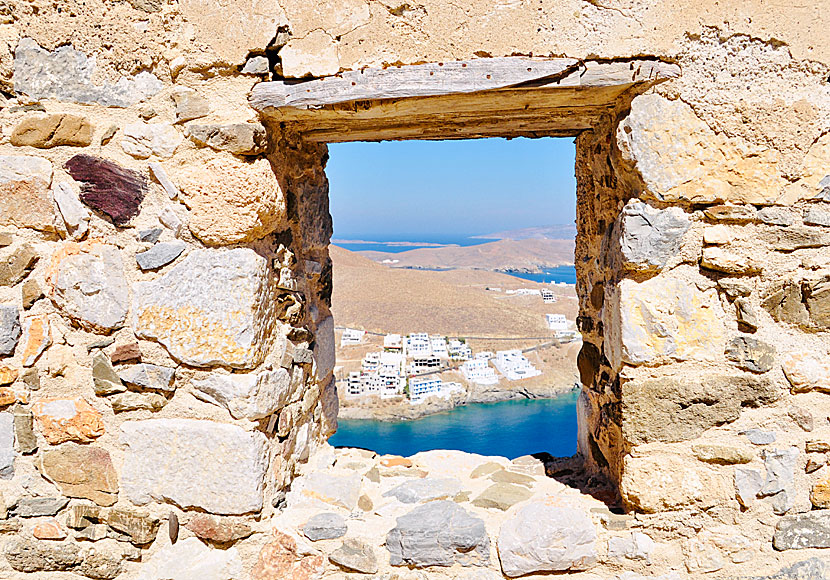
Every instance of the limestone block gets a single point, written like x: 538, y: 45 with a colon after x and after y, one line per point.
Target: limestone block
x: 9, y: 328
x: 8, y: 375
x: 74, y: 214
x: 355, y: 555
x: 220, y: 530
x: 547, y: 534
x: 240, y: 202
x: 194, y: 463
x: 212, y: 307
x: 87, y: 283
x: 221, y: 21
x: 31, y: 555
x: 107, y: 187
x: 37, y: 336
x: 104, y: 378
x: 681, y: 159
x: 659, y: 481
x: 341, y: 490
x: 122, y: 402
x: 315, y: 54
x: 189, y: 104
x: 502, y: 496
x: 722, y: 454
x: 67, y: 74
x: 820, y: 493
x: 190, y: 558
x: 648, y: 236
x: 48, y: 530
x: 63, y: 420
x: 16, y: 264
x: 647, y: 322
x: 809, y: 530
x: 777, y: 216
x: 283, y: 559
x: 817, y: 216
x: 807, y: 371
x: 25, y: 200
x: 82, y: 471
x: 141, y: 140
x: 52, y: 130
x: 759, y: 436
x: 149, y: 376
x: 256, y: 65
x: 780, y: 479
x: 34, y: 507
x: 247, y: 396
x: 729, y: 261
x: 426, y: 489
x: 161, y: 176
x: 324, y: 526
x: 635, y: 546
x: 236, y: 138
x: 717, y: 235
x: 748, y: 484
x: 7, y: 452
x: 750, y: 354
x: 438, y: 533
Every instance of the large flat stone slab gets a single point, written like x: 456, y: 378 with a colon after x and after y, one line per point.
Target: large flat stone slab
x: 808, y: 530
x: 194, y: 464
x: 25, y: 199
x: 648, y: 237
x: 247, y: 396
x: 213, y: 307
x: 438, y: 533
x: 547, y: 535
x: 189, y: 559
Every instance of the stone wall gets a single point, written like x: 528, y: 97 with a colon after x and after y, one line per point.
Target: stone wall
x: 166, y: 343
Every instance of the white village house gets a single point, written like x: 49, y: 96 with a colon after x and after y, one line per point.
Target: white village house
x: 479, y: 371
x: 351, y: 337
x: 515, y: 366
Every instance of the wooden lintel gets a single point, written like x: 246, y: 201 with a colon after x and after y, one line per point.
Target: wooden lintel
x: 421, y: 80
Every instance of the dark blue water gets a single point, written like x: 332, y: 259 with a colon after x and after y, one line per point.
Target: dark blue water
x: 509, y: 429
x: 565, y: 274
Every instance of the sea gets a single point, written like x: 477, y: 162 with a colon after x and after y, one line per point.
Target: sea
x: 508, y: 429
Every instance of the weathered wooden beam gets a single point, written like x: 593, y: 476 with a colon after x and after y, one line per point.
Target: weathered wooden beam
x: 422, y: 80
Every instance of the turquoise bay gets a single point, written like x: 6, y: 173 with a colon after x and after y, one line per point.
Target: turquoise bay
x: 509, y: 429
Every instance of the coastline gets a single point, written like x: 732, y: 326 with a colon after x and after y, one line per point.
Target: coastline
x: 393, y: 410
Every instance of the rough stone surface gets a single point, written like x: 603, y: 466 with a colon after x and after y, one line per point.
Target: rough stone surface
x: 189, y: 559
x: 256, y: 65
x: 334, y: 489
x: 547, y: 535
x: 780, y: 479
x: 438, y: 533
x: 74, y: 214
x: 52, y: 130
x: 82, y: 471
x: 355, y: 554
x: 210, y: 308
x: 777, y: 216
x: 149, y: 376
x: 722, y: 454
x: 9, y: 328
x: 422, y: 490
x: 676, y: 409
x: 49, y: 530
x: 141, y: 140
x: 138, y: 525
x: 87, y: 283
x: 648, y: 236
x: 501, y: 496
x: 160, y: 255
x: 107, y: 187
x: 807, y: 371
x: 24, y: 192
x: 7, y: 452
x: 750, y: 354
x: 324, y: 350
x: 820, y: 493
x: 63, y: 420
x: 24, y: 429
x: 809, y: 530
x: 34, y: 507
x: 729, y: 261
x: 636, y: 546
x: 31, y: 292
x: 282, y: 559
x: 67, y: 74
x: 817, y: 216
x: 218, y: 530
x: 325, y: 526
x: 161, y: 176
x: 29, y: 555
x: 105, y: 381
x: 189, y: 105
x: 760, y: 437
x: 236, y: 138
x: 247, y: 396
x: 748, y: 484
x: 247, y: 189
x: 37, y: 336
x: 193, y: 463
x: 657, y: 319
x: 122, y: 402
x: 16, y: 264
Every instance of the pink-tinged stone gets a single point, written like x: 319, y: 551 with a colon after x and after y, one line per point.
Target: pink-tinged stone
x: 63, y: 420
x: 25, y: 200
x: 49, y: 530
x: 280, y: 560
x: 107, y: 187
x: 82, y: 471
x: 36, y: 338
x: 220, y: 530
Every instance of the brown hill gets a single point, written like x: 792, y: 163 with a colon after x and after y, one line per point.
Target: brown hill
x: 527, y: 254
x: 374, y: 297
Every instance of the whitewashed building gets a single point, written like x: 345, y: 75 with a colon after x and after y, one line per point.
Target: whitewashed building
x: 370, y: 363
x: 439, y: 346
x: 459, y: 350
x: 424, y: 364
x: 515, y: 366
x: 548, y: 297
x: 393, y: 343
x: 479, y: 371
x: 422, y: 388
x: 418, y: 345
x: 557, y: 321
x: 390, y: 373
x: 351, y: 337
x: 354, y: 385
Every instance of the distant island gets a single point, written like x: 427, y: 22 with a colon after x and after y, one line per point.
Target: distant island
x: 552, y: 232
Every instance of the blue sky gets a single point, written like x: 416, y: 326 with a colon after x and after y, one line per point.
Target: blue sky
x: 436, y: 190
